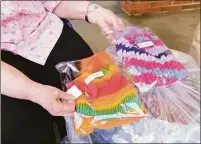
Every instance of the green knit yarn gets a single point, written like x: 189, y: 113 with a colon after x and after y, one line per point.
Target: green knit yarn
x: 85, y: 109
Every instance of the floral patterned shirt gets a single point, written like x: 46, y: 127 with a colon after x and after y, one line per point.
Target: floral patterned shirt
x: 29, y: 28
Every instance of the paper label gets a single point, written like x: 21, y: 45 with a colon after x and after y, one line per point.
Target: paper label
x: 74, y: 91
x: 145, y: 44
x: 78, y: 120
x: 72, y: 67
x: 93, y: 76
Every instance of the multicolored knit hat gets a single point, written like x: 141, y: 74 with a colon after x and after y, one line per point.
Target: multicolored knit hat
x: 166, y: 90
x: 148, y: 60
x: 106, y: 98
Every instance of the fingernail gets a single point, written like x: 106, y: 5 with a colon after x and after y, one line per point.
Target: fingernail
x: 70, y: 101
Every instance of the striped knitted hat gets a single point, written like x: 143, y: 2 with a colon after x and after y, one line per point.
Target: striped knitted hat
x: 105, y: 97
x: 148, y: 59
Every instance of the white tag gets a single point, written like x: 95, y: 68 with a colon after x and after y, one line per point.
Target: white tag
x: 74, y: 91
x: 78, y: 120
x: 145, y: 44
x: 93, y: 76
x: 72, y: 67
x: 135, y: 107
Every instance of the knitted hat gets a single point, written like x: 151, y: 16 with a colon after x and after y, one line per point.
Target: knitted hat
x: 106, y: 98
x: 148, y: 60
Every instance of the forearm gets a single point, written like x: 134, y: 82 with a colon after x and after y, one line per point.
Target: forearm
x: 15, y: 84
x: 72, y: 9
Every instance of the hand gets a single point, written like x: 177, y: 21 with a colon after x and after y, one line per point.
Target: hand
x: 55, y: 101
x: 104, y: 18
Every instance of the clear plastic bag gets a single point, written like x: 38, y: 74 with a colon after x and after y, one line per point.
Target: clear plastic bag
x: 105, y: 95
x: 72, y: 137
x: 167, y: 89
x: 150, y: 130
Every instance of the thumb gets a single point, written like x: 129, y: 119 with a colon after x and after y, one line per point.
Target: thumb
x: 66, y: 96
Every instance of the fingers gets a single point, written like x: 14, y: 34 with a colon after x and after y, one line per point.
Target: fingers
x: 117, y: 23
x: 65, y: 107
x: 111, y: 38
x: 120, y: 22
x: 62, y: 109
x: 106, y: 30
x: 65, y: 96
x: 104, y: 26
x: 109, y: 29
x: 56, y: 102
x: 65, y: 114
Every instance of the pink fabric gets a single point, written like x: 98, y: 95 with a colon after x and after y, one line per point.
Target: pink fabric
x: 29, y: 28
x: 152, y: 64
x: 149, y: 78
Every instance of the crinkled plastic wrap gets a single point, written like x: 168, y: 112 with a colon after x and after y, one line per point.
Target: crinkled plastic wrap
x: 174, y: 103
x: 105, y: 95
x: 167, y: 88
x: 150, y: 130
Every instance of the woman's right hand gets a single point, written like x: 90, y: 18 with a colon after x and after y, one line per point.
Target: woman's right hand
x: 55, y: 101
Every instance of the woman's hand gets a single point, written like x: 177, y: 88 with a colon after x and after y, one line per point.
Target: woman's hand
x: 104, y: 18
x: 55, y: 101
x: 17, y: 85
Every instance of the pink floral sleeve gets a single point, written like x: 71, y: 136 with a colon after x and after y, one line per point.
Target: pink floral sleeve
x: 50, y: 5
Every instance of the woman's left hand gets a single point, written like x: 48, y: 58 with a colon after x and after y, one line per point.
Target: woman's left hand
x: 104, y: 18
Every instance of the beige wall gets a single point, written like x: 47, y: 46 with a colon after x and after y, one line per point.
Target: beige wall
x: 195, y: 49
x: 111, y: 5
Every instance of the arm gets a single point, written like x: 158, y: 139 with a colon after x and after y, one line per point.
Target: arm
x: 16, y: 85
x: 104, y: 18
x: 72, y: 9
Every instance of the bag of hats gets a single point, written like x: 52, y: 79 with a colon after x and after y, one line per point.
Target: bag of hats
x: 169, y: 91
x: 166, y: 88
x: 105, y: 95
